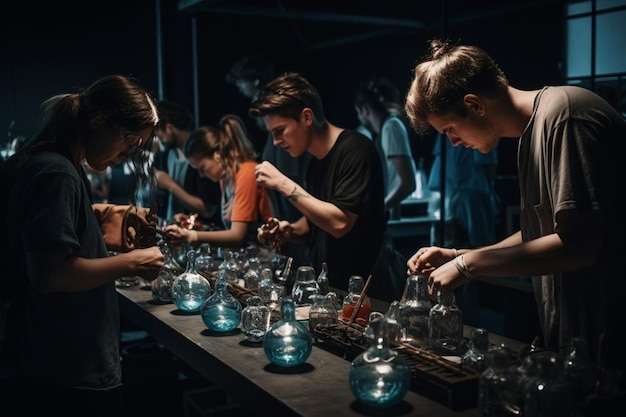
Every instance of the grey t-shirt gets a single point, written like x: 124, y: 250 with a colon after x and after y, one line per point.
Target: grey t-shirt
x: 571, y: 158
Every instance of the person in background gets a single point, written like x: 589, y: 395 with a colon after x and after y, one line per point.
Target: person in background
x: 99, y: 183
x: 471, y: 203
x: 226, y: 156
x: 378, y: 108
x: 570, y: 150
x: 182, y: 190
x: 343, y: 216
x: 250, y: 74
x: 62, y: 333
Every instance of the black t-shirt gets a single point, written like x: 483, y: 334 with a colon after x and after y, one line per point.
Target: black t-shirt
x: 351, y: 178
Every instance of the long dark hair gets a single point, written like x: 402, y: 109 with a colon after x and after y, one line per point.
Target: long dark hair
x: 117, y: 101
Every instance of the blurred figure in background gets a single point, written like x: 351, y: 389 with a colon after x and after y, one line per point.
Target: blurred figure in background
x: 100, y: 182
x: 378, y: 108
x: 471, y: 203
x: 225, y: 155
x: 250, y: 74
x: 183, y: 190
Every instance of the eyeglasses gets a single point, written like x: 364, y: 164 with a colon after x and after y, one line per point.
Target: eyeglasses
x: 134, y: 144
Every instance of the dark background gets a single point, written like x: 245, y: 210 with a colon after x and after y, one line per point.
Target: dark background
x: 57, y: 47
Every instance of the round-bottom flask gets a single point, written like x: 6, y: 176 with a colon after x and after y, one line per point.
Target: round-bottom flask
x: 288, y: 343
x: 221, y: 312
x: 379, y: 377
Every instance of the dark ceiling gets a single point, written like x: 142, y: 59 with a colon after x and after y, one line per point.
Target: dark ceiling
x: 323, y: 25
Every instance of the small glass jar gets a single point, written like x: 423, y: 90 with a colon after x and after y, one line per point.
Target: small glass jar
x: 323, y: 311
x: 255, y: 319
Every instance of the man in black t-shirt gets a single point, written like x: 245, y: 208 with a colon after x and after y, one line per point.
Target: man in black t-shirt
x: 343, y: 218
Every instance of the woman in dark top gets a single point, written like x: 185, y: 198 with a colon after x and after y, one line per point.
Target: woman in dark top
x: 64, y: 320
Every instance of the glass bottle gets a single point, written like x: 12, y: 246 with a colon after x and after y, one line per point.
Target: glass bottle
x: 548, y: 394
x: 305, y: 286
x: 446, y: 325
x: 264, y: 285
x: 170, y: 262
x: 255, y: 319
x: 287, y: 343
x: 379, y: 377
x: 162, y: 287
x: 204, y: 259
x: 497, y: 385
x: 414, y: 311
x: 580, y: 370
x: 252, y: 276
x: 322, y: 279
x: 355, y: 287
x: 190, y: 289
x: 475, y: 356
x: 230, y: 266
x: 323, y: 311
x: 221, y: 312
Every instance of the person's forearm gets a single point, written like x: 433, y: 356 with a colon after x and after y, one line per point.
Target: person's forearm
x: 324, y: 215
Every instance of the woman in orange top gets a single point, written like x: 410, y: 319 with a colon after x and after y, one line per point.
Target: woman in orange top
x: 225, y: 155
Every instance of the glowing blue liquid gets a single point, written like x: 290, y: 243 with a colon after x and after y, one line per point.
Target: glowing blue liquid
x: 380, y: 385
x: 287, y: 351
x: 220, y: 318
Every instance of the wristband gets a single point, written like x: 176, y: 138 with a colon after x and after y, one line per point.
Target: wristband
x: 459, y: 262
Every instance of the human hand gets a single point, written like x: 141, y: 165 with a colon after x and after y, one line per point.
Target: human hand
x: 163, y: 179
x: 425, y: 260
x: 187, y: 221
x: 274, y: 232
x: 150, y: 262
x: 268, y: 175
x: 178, y: 235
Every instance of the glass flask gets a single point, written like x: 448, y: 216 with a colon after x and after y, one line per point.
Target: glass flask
x: 287, y: 343
x: 221, y: 312
x: 355, y: 287
x: 475, y: 356
x: 580, y: 370
x: 446, y: 325
x: 255, y: 319
x: 497, y: 386
x: 162, y: 287
x: 322, y: 279
x: 548, y: 393
x: 275, y: 296
x: 323, y: 311
x: 379, y: 377
x: 414, y: 311
x: 170, y: 262
x: 392, y: 319
x: 230, y: 266
x: 204, y: 259
x: 252, y: 277
x: 305, y: 286
x: 264, y: 284
x: 190, y: 289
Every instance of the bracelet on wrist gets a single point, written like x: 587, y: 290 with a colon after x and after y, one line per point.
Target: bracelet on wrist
x: 459, y: 262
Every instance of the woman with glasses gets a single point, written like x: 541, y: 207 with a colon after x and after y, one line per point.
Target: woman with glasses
x: 225, y: 155
x: 63, y: 329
